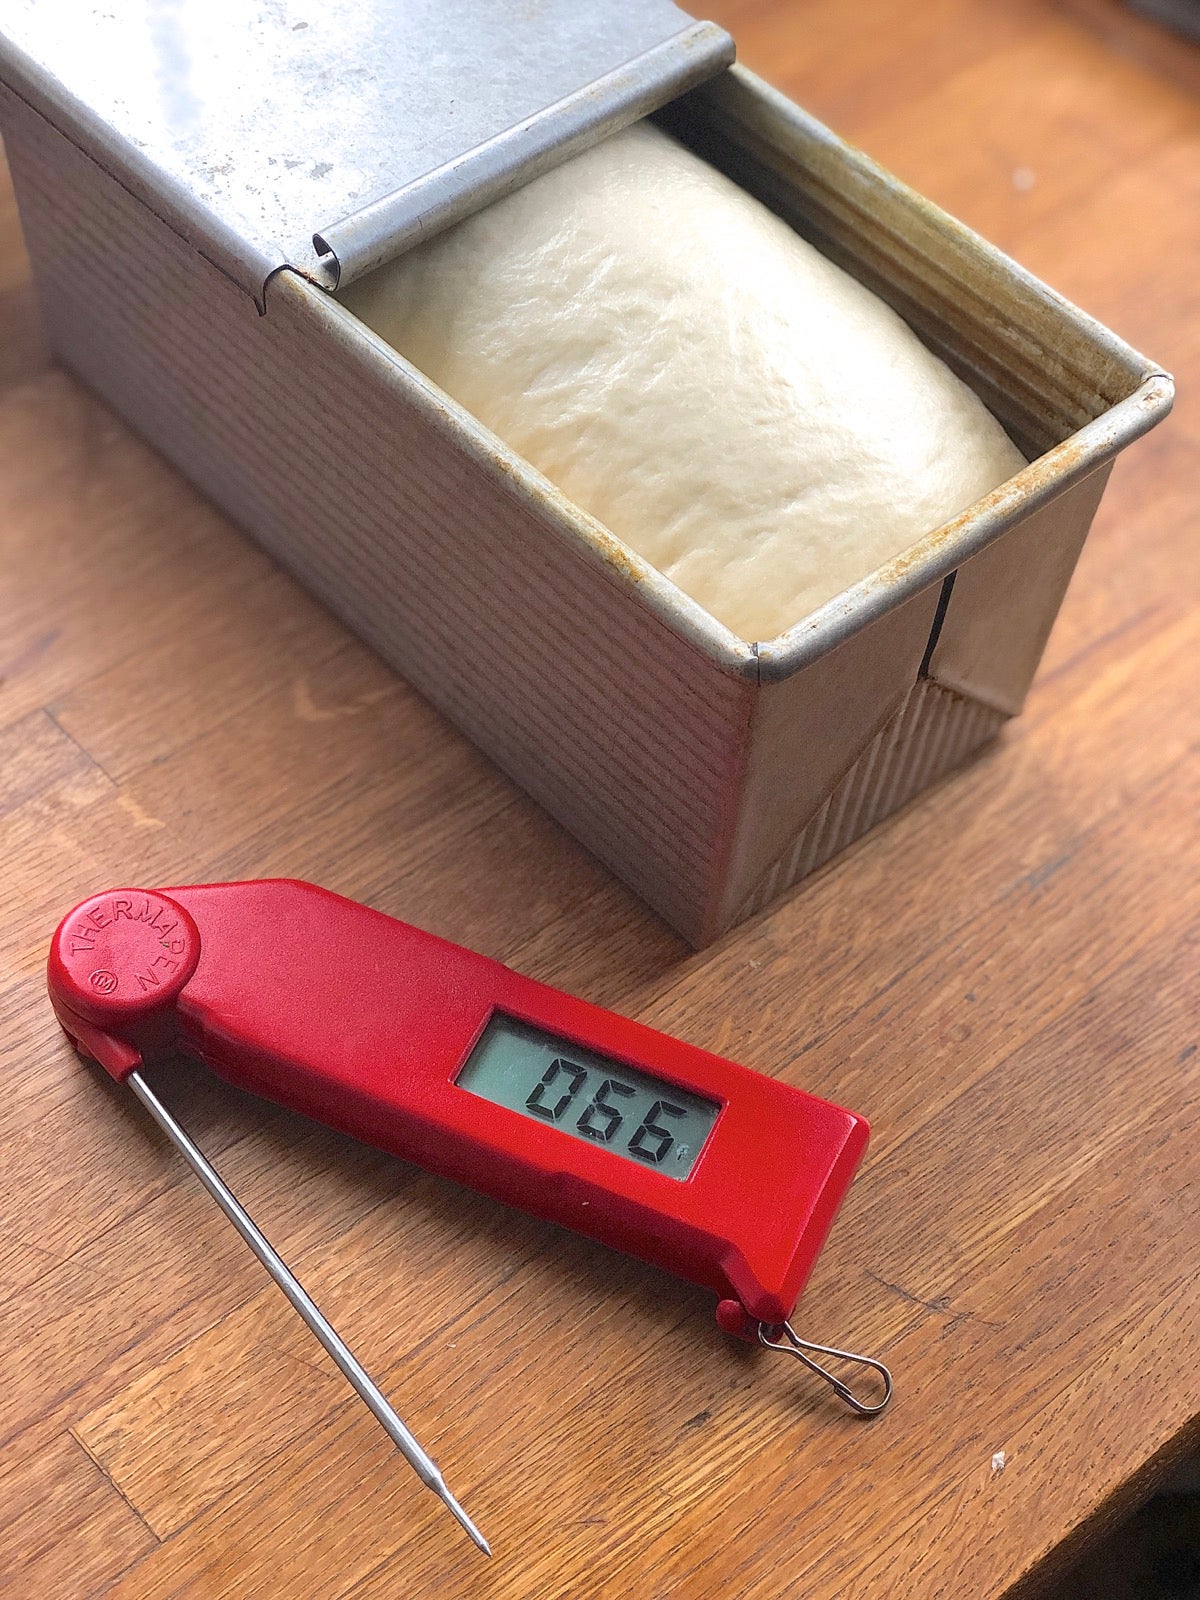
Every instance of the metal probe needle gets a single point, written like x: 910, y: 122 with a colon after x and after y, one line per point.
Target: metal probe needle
x: 371, y: 1396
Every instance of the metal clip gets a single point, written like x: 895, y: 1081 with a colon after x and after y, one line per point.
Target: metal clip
x: 791, y: 1344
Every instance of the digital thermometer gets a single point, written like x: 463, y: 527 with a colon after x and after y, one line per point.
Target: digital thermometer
x: 450, y: 1060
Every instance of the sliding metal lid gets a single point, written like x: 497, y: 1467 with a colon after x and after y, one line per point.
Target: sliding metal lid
x: 329, y: 135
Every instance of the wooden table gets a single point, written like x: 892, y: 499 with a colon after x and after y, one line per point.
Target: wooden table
x: 1004, y: 978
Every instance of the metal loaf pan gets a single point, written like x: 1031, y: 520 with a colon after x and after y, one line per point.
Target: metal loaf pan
x: 707, y: 771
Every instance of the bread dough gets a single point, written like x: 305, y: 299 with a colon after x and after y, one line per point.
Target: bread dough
x: 760, y: 427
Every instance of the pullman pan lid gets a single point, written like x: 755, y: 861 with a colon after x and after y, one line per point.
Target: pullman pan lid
x: 328, y: 138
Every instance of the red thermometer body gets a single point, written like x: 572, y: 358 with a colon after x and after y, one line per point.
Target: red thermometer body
x: 452, y: 1061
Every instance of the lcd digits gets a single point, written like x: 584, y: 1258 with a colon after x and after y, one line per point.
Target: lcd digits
x: 600, y: 1119
x: 636, y: 1116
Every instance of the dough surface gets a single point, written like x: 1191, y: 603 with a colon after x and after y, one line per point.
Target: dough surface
x: 684, y: 367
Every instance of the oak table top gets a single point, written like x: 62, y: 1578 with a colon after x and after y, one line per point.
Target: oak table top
x: 1003, y: 978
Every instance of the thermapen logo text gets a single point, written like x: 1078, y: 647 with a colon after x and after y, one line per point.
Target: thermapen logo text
x: 158, y: 922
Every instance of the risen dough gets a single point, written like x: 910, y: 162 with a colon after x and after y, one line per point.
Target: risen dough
x: 687, y: 369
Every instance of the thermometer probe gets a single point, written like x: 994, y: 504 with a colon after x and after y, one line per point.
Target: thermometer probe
x: 450, y: 1060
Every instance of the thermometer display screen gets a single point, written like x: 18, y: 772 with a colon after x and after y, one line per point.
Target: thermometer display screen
x: 638, y: 1117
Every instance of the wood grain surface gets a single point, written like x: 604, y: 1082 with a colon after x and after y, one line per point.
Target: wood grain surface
x: 1004, y: 978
